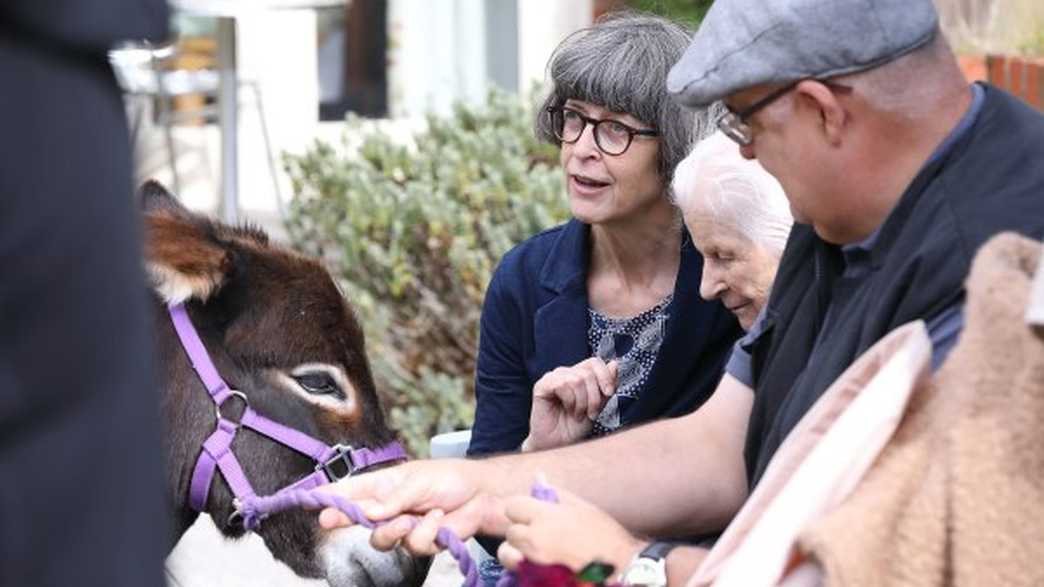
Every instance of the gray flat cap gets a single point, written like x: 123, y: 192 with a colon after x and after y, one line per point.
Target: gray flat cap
x: 744, y: 43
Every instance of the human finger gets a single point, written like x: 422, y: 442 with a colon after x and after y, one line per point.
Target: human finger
x: 410, y: 493
x: 595, y: 399
x: 520, y: 536
x: 421, y: 540
x: 578, y: 388
x: 379, y: 494
x: 331, y: 518
x: 509, y: 556
x: 606, y: 375
x: 564, y: 392
x: 387, y: 536
x: 524, y: 509
x: 467, y: 520
x: 545, y: 386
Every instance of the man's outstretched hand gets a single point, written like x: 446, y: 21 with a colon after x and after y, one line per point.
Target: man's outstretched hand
x: 416, y: 499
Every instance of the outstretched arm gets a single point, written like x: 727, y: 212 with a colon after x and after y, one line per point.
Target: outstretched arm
x: 674, y: 477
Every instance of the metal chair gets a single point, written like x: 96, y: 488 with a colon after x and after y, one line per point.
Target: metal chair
x: 150, y: 75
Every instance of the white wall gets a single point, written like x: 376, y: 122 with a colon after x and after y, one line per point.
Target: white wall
x: 277, y: 49
x: 438, y: 49
x: 542, y: 26
x: 436, y: 55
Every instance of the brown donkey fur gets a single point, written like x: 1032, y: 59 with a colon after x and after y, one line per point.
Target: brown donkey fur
x: 279, y: 330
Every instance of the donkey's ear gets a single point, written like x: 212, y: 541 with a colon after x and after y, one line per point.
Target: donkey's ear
x: 184, y: 258
x: 153, y: 197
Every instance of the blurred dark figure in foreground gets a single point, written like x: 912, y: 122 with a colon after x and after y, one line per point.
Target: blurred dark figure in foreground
x: 80, y: 459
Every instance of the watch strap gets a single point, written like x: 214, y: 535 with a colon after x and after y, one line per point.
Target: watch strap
x: 649, y: 567
x: 658, y: 550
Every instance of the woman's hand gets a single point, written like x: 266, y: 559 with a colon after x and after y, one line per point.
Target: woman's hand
x: 571, y: 532
x: 567, y: 400
x: 417, y: 498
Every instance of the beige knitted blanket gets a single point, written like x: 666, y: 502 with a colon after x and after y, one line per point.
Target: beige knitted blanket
x: 957, y: 496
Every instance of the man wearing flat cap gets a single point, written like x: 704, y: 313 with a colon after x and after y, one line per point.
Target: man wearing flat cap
x: 896, y: 170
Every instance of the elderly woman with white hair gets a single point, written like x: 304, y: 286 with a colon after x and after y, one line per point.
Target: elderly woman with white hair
x: 739, y: 219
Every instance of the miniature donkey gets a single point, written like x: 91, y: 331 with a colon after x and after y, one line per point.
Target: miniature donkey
x: 279, y: 332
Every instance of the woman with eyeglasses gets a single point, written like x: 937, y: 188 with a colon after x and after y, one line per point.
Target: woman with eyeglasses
x: 598, y: 324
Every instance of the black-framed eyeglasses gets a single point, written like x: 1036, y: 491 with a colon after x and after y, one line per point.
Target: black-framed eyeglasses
x: 734, y: 124
x: 612, y: 136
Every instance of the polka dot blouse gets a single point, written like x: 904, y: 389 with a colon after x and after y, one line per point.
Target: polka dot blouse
x: 634, y: 342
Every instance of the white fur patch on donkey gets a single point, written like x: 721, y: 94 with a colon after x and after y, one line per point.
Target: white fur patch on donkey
x: 175, y: 287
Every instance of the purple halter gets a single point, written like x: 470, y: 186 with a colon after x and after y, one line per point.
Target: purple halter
x: 332, y: 462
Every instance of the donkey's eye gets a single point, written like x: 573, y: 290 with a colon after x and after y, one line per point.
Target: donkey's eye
x: 318, y: 384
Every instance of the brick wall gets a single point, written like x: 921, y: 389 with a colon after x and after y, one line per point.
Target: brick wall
x: 1022, y: 76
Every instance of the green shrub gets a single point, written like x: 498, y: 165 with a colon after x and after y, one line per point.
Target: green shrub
x: 413, y: 233
x: 689, y: 12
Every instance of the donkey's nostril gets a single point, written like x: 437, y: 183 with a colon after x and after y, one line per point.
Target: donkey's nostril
x: 349, y: 560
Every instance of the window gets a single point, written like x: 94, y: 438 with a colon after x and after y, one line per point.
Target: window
x: 353, y: 47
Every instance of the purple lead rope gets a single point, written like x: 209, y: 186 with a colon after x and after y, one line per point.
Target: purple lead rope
x: 544, y: 492
x: 254, y: 509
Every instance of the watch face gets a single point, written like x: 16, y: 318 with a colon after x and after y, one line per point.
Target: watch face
x: 646, y: 571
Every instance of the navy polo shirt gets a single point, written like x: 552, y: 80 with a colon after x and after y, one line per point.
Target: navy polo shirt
x: 943, y: 330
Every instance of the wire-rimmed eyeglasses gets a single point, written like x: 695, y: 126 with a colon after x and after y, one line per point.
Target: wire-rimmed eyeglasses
x: 612, y: 136
x: 734, y: 124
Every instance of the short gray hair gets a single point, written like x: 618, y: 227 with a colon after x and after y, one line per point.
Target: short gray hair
x: 738, y: 191
x: 912, y: 85
x: 621, y: 63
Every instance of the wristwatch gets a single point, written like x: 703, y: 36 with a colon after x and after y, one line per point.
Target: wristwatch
x: 649, y: 568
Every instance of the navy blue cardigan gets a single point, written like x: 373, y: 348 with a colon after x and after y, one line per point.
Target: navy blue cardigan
x: 535, y: 318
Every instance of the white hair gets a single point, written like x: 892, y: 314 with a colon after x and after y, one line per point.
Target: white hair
x: 737, y: 191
